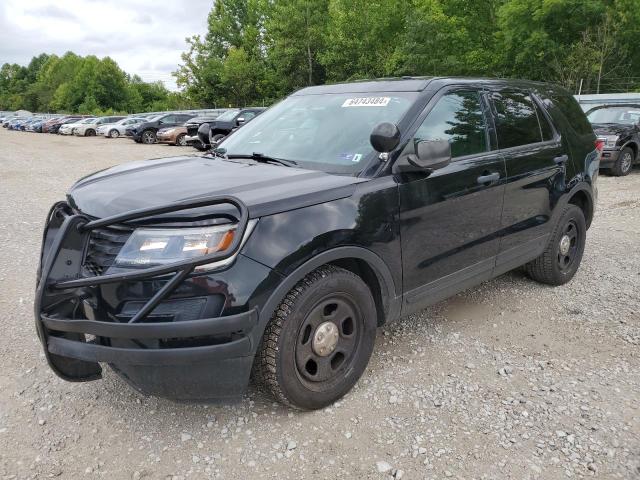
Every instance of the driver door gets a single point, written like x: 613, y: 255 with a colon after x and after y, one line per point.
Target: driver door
x: 450, y: 219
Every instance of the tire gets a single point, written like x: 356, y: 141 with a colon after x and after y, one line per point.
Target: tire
x: 624, y: 164
x: 293, y: 364
x: 217, y: 137
x: 181, y: 140
x: 114, y: 133
x: 148, y: 137
x: 90, y: 132
x: 560, y: 261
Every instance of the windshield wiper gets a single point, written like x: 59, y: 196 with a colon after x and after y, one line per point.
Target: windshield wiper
x: 259, y: 157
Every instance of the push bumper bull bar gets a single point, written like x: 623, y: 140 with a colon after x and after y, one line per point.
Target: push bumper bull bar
x: 61, y: 283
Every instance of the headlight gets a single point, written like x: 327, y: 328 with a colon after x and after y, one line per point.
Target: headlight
x: 610, y: 140
x: 150, y: 247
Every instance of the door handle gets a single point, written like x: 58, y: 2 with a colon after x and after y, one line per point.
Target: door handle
x: 561, y: 160
x: 491, y: 177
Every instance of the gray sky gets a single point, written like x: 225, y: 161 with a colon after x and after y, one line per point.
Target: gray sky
x: 144, y: 36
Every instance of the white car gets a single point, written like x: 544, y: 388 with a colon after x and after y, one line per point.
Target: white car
x: 89, y: 129
x: 117, y: 129
x: 67, y: 128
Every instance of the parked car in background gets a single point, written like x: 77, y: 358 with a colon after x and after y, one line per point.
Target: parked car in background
x: 146, y: 132
x: 173, y: 135
x: 14, y: 123
x: 117, y: 129
x: 52, y: 121
x: 339, y: 210
x: 89, y: 129
x: 36, y: 127
x: 192, y: 130
x: 26, y: 126
x: 618, y: 127
x: 68, y: 128
x: 588, y: 102
x: 229, y: 121
x: 55, y: 128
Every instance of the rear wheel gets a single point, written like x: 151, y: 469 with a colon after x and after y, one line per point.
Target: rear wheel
x: 561, y: 259
x: 319, y: 341
x: 624, y: 164
x: 181, y: 140
x: 90, y: 132
x: 114, y: 133
x: 148, y: 137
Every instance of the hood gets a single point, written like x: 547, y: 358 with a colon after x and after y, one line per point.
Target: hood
x: 612, y: 129
x: 265, y: 188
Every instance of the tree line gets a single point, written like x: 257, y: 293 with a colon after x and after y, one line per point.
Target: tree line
x: 256, y: 51
x: 76, y: 84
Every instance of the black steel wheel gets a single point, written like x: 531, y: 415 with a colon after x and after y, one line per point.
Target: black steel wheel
x: 563, y: 254
x: 319, y: 341
x: 90, y: 132
x: 148, y: 137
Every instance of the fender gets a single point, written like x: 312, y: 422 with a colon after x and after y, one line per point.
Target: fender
x: 388, y: 287
x: 634, y: 146
x: 563, y: 201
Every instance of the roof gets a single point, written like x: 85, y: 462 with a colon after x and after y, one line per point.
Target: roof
x: 408, y: 84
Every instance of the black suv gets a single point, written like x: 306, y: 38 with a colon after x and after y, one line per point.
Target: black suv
x: 225, y: 124
x: 146, y: 132
x: 618, y: 128
x: 192, y: 130
x: 340, y: 209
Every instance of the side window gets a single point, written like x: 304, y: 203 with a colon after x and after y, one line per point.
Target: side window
x: 516, y: 120
x: 545, y: 127
x: 248, y: 115
x: 169, y: 119
x: 456, y: 117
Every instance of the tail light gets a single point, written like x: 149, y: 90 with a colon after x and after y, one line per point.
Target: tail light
x: 599, y: 144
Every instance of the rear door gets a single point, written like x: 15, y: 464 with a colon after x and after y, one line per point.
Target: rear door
x: 450, y: 219
x: 536, y: 174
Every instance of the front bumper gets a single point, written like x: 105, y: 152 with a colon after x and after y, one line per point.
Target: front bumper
x: 609, y: 157
x: 198, y: 359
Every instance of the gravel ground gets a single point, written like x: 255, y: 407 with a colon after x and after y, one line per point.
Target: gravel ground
x: 508, y: 380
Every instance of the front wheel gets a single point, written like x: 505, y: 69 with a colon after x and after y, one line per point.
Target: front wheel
x: 624, y: 164
x: 148, y: 137
x: 181, y: 141
x: 217, y: 138
x: 561, y: 259
x: 319, y: 341
x: 114, y: 133
x: 90, y: 132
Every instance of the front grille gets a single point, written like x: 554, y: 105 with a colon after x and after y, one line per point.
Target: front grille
x: 104, y: 245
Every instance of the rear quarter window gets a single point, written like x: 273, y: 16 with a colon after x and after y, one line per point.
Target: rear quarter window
x: 570, y: 108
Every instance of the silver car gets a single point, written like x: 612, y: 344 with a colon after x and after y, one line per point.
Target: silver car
x: 117, y: 129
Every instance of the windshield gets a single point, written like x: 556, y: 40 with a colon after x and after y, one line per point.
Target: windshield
x: 228, y: 115
x: 327, y: 132
x: 621, y: 115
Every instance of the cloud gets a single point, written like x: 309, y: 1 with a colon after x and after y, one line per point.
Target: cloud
x: 145, y: 37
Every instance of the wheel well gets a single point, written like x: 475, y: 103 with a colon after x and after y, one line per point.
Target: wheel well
x: 633, y: 146
x: 582, y: 200
x: 368, y: 276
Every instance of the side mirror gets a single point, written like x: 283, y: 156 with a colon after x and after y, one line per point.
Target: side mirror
x: 239, y: 121
x: 431, y: 154
x: 385, y: 137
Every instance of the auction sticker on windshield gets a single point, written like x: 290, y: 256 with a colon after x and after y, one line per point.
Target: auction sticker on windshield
x: 366, y: 102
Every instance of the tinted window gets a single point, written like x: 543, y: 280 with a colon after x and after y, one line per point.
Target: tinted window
x: 456, y: 117
x: 545, y: 126
x: 169, y: 119
x: 572, y: 111
x: 516, y: 121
